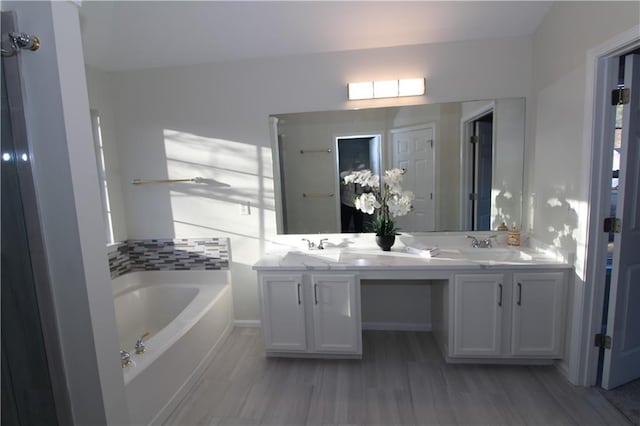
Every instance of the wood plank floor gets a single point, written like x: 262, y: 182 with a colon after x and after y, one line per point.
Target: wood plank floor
x: 401, y: 380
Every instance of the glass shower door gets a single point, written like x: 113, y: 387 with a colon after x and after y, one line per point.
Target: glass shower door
x: 27, y: 392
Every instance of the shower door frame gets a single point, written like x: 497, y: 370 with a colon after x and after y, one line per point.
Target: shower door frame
x: 39, y: 264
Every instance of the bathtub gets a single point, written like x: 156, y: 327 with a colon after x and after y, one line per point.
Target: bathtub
x: 188, y: 314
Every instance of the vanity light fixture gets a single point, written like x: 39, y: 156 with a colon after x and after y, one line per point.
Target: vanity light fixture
x: 386, y: 89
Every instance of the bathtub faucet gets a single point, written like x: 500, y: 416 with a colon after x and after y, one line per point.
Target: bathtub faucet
x: 140, y: 343
x: 125, y: 358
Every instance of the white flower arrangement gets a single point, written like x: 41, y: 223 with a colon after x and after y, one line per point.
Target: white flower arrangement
x: 391, y: 202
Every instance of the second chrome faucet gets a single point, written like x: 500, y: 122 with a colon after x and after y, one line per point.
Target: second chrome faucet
x: 481, y: 242
x: 312, y: 245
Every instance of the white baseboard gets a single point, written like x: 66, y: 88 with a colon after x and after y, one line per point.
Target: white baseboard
x: 563, y: 367
x: 396, y: 326
x: 247, y: 323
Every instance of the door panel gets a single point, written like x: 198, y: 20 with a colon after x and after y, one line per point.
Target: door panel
x: 484, y: 168
x: 283, y: 313
x: 622, y: 361
x: 336, y: 313
x: 413, y: 151
x: 478, y: 302
x: 538, y: 301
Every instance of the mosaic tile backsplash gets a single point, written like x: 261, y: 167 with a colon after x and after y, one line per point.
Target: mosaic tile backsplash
x: 186, y: 254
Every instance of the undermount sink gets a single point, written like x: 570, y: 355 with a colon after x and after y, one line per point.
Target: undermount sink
x: 499, y: 254
x: 311, y: 257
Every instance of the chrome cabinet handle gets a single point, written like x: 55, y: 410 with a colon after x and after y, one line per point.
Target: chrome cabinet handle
x: 315, y: 293
x: 299, y: 300
x: 500, y: 299
x: 519, y: 294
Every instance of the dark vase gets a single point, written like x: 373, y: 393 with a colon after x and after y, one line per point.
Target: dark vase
x: 385, y: 241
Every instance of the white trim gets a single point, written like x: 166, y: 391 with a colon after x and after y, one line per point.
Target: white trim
x: 247, y: 323
x: 590, y: 299
x: 397, y: 326
x: 277, y: 188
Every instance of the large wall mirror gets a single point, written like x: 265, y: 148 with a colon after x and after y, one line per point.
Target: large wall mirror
x: 463, y: 161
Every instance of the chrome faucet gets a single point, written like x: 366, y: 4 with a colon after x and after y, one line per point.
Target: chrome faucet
x: 481, y: 243
x: 140, y: 343
x: 125, y: 358
x: 312, y: 245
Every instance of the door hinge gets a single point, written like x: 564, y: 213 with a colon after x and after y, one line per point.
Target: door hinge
x: 612, y: 225
x: 474, y: 139
x: 620, y: 96
x: 473, y: 196
x: 602, y: 341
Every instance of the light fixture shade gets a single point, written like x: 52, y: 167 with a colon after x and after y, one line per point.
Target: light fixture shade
x: 385, y: 89
x: 363, y: 90
x: 411, y: 87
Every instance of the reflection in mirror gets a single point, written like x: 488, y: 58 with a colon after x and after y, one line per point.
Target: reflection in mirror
x: 462, y: 160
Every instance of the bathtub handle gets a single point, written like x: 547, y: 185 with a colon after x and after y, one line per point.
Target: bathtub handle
x: 140, y: 343
x: 125, y: 358
x: 299, y: 300
x: 315, y: 292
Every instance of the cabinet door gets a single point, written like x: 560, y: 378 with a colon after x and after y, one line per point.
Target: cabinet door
x: 282, y: 303
x: 477, y: 314
x: 538, y: 315
x: 336, y: 313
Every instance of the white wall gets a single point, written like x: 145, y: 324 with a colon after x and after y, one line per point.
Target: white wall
x: 212, y: 120
x: 64, y: 169
x: 508, y: 174
x: 558, y: 157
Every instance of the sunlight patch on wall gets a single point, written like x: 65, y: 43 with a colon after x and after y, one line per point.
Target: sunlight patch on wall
x: 233, y: 191
x: 502, y: 209
x: 554, y: 202
x: 579, y: 235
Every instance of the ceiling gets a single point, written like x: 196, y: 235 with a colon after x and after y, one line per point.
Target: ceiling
x: 125, y: 35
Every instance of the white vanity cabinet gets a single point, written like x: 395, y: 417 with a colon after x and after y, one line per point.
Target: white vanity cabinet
x: 508, y: 315
x: 311, y: 313
x: 336, y: 313
x: 538, y: 314
x: 478, y: 304
x: 283, y: 313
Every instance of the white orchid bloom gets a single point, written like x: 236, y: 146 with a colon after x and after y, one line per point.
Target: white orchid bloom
x: 367, y: 203
x: 393, y: 179
x: 364, y: 178
x: 400, y: 205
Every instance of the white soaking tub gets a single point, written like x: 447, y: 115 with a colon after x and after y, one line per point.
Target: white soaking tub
x: 187, y: 314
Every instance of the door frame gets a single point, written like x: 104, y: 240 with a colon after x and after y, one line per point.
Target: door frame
x: 587, y: 316
x: 336, y: 160
x: 466, y: 180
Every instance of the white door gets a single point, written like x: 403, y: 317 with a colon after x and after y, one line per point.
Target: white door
x: 336, y: 313
x: 282, y: 304
x: 622, y: 361
x: 477, y: 309
x: 413, y: 151
x: 538, y: 314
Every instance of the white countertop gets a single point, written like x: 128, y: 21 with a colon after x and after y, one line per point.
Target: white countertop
x: 372, y: 258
